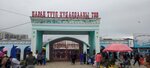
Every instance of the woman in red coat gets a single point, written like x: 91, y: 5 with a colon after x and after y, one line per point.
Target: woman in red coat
x: 98, y: 59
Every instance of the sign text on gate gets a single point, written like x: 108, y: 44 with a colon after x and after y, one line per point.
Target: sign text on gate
x: 63, y: 14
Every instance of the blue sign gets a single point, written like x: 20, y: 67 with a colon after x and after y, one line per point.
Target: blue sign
x: 142, y: 41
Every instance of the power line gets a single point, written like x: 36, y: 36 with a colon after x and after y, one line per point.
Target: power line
x: 16, y: 14
x: 13, y: 12
x: 14, y: 26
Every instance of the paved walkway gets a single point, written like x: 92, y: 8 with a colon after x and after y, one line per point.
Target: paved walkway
x: 64, y: 65
x: 77, y: 65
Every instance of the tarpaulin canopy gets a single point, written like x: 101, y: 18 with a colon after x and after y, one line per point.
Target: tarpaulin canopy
x: 117, y: 48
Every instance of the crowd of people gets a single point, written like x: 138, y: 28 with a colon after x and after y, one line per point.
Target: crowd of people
x: 29, y: 62
x: 8, y: 62
x: 105, y: 59
x: 121, y: 60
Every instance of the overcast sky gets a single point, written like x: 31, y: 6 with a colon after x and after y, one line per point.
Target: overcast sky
x: 118, y: 17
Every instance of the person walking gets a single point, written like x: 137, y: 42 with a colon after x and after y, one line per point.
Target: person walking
x: 147, y: 61
x: 84, y: 58
x: 98, y: 59
x: 81, y: 58
x: 73, y: 58
x: 4, y: 61
x: 39, y: 59
x: 43, y: 58
x: 141, y: 60
x: 136, y: 59
x: 8, y: 63
x: 92, y: 59
x: 30, y: 61
x: 88, y: 59
x: 14, y: 62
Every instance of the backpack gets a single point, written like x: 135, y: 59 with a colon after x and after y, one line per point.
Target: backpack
x: 39, y: 57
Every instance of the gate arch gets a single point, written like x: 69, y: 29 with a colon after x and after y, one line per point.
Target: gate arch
x: 68, y: 38
x: 53, y: 51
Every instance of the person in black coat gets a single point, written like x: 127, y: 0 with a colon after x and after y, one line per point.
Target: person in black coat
x: 73, y: 58
x: 136, y: 59
x: 84, y: 58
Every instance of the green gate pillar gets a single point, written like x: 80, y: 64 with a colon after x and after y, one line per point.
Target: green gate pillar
x: 94, y: 42
x: 39, y: 40
x: 91, y: 42
x: 37, y: 37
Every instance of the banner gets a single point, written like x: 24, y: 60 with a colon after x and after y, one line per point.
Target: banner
x: 141, y: 40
